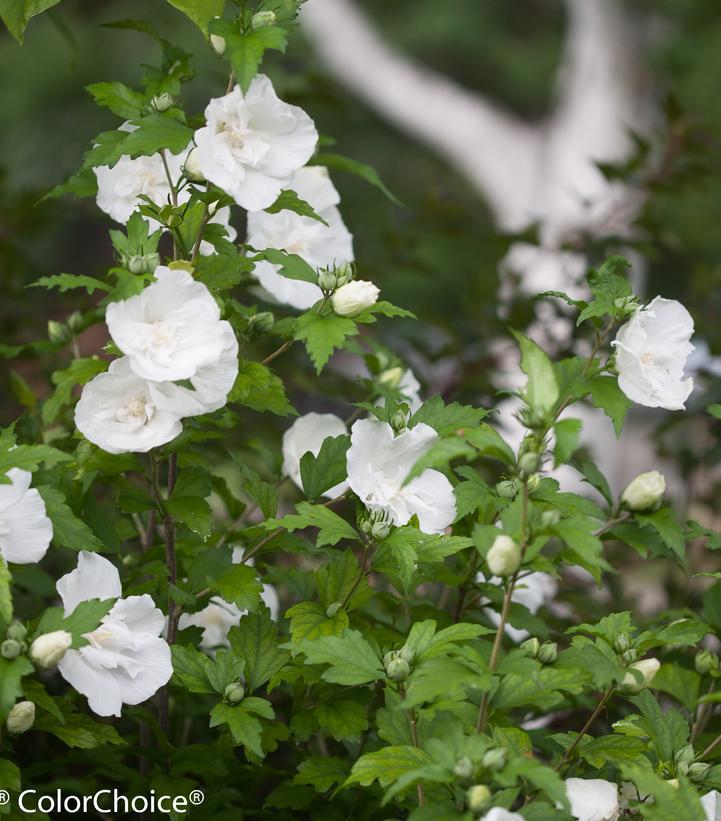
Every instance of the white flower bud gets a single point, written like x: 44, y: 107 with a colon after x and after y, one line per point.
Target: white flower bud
x: 161, y: 102
x: 354, y: 297
x: 644, y: 491
x: 262, y: 19
x: 20, y: 718
x: 391, y: 377
x: 504, y: 557
x: 48, y: 649
x: 478, y: 797
x: 648, y: 669
x: 191, y: 167
x: 218, y: 43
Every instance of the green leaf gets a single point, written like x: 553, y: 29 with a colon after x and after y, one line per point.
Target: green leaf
x: 291, y: 266
x: 86, y: 617
x: 10, y: 775
x: 288, y: 200
x: 386, y: 765
x: 321, y: 772
x: 247, y: 49
x: 256, y: 641
x: 365, y: 172
x: 606, y: 394
x: 489, y: 442
x: 78, y: 373
x: 194, y: 513
x: 68, y: 530
x: 308, y: 620
x: 331, y: 527
x: 67, y: 282
x: 448, y: 419
x: 153, y: 133
x: 257, y: 387
x: 327, y: 469
x: 190, y: 667
x: 321, y: 335
x: 336, y: 579
x: 541, y: 391
x: 439, y: 455
x: 665, y: 524
x: 35, y: 692
x: 119, y: 98
x: 680, y: 683
x: 568, y: 435
x: 29, y: 457
x: 239, y: 584
x: 16, y: 14
x: 612, y: 749
x: 81, y: 184
x: 11, y: 673
x: 244, y: 727
x: 6, y: 599
x: 606, y: 286
x: 352, y: 660
x: 200, y: 11
x: 343, y: 718
x: 80, y: 731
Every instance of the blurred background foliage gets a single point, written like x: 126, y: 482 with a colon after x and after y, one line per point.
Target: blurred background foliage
x: 439, y: 254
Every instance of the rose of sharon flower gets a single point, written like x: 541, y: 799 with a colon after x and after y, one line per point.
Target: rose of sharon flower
x: 379, y: 462
x: 306, y: 434
x: 354, y: 297
x: 651, y: 352
x: 25, y: 530
x: 711, y: 803
x: 121, y: 412
x: 125, y: 661
x: 500, y: 814
x: 593, y: 799
x: 319, y: 245
x: 253, y: 143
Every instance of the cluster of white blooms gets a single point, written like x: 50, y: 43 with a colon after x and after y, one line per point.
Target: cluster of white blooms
x: 219, y: 616
x: 651, y: 353
x: 171, y: 331
x: 25, y: 530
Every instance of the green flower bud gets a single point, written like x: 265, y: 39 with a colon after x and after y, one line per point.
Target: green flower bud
x: 17, y: 631
x: 532, y: 482
x: 161, y: 102
x: 261, y: 323
x: 622, y: 642
x: 548, y: 652
x: 684, y: 758
x: 398, y: 669
x: 376, y: 524
x: 550, y: 518
x: 136, y: 264
x: 463, y: 768
x: 477, y: 797
x: 698, y: 771
x: 20, y: 718
x: 494, y: 759
x: 399, y: 421
x: 705, y: 662
x: 380, y: 529
x: 344, y: 272
x: 388, y: 657
x: 507, y: 488
x: 58, y: 333
x: 234, y: 693
x: 504, y: 557
x: 531, y: 647
x: 326, y: 280
x: 10, y: 649
x: 529, y: 463
x: 262, y: 19
x: 333, y: 608
x: 629, y: 656
x: 406, y: 654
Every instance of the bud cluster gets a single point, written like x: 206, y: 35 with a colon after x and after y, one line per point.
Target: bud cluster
x: 376, y: 524
x: 686, y: 764
x: 546, y: 653
x: 335, y: 276
x: 398, y: 663
x: 706, y: 662
x: 14, y: 644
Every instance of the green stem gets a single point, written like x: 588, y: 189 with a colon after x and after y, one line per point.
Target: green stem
x: 586, y: 727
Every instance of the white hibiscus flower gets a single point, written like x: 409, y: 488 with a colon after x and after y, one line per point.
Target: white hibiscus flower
x: 319, y: 245
x: 306, y: 434
x: 25, y: 530
x: 253, y: 143
x: 120, y: 412
x: 125, y: 660
x: 651, y: 352
x: 378, y: 464
x: 593, y: 799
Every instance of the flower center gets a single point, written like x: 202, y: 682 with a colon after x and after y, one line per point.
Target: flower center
x: 163, y: 333
x: 138, y: 410
x: 100, y: 637
x: 646, y: 358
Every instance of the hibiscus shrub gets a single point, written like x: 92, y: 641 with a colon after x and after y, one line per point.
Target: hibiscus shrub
x: 390, y: 612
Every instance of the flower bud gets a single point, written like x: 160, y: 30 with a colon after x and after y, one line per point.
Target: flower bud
x: 333, y: 608
x: 478, y: 797
x: 531, y: 647
x: 548, y: 652
x: 622, y: 642
x: 344, y: 273
x: 629, y: 656
x: 354, y: 297
x: 20, y: 718
x: 326, y: 280
x: 234, y: 693
x: 397, y: 668
x: 507, y: 488
x: 58, y: 333
x: 376, y: 524
x: 262, y: 19
x: 261, y: 323
x: 705, y: 662
x: 136, y: 264
x: 684, y: 758
x: 191, y: 167
x: 529, y: 463
x: 504, y: 557
x: 698, y: 771
x: 647, y: 668
x: 399, y: 421
x: 532, y: 482
x: 161, y: 102
x: 391, y: 377
x: 463, y: 768
x: 645, y: 491
x: 406, y: 654
x: 48, y: 649
x: 218, y: 44
x: 550, y: 518
x: 17, y: 631
x: 494, y: 759
x: 10, y: 649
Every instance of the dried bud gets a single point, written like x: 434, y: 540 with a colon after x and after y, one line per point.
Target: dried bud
x: 645, y: 491
x: 504, y: 557
x: 647, y: 668
x: 20, y: 718
x: 48, y: 649
x: 234, y: 693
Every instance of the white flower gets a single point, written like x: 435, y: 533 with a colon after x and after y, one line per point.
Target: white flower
x: 306, y: 434
x: 220, y: 217
x: 169, y: 330
x: 47, y: 650
x: 20, y: 718
x: 319, y: 245
x: 592, y: 799
x: 379, y: 462
x: 644, y: 491
x: 504, y: 556
x: 253, y: 143
x: 711, y: 803
x: 125, y: 660
x: 354, y: 297
x: 120, y: 412
x: 651, y: 352
x: 219, y: 616
x: 25, y: 530
x: 532, y: 591
x: 499, y: 814
x: 648, y: 669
